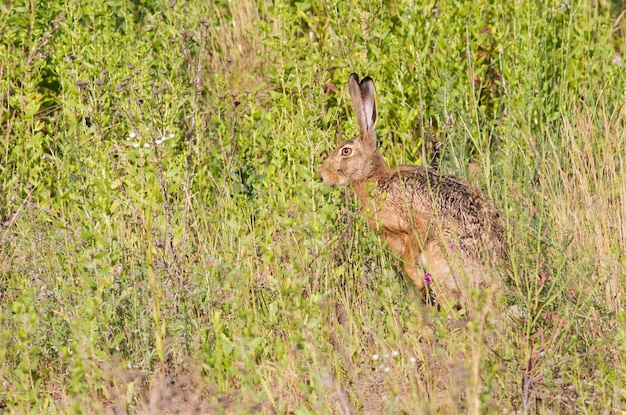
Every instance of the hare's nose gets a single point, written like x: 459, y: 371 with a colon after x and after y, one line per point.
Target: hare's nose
x: 320, y: 174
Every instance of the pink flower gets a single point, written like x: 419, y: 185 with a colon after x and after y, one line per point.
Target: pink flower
x: 428, y: 278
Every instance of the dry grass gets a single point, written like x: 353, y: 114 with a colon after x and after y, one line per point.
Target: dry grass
x: 586, y: 187
x: 235, y: 46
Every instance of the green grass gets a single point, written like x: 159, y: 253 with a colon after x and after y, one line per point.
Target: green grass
x: 213, y: 272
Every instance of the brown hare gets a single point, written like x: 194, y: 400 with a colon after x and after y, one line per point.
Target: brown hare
x: 446, y: 233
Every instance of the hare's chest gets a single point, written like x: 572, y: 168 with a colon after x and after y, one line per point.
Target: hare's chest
x: 390, y: 214
x: 394, y: 241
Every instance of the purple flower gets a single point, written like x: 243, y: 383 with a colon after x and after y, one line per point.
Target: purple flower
x: 451, y: 246
x: 428, y: 278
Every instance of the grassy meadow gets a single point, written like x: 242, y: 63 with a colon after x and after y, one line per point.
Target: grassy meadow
x: 167, y: 247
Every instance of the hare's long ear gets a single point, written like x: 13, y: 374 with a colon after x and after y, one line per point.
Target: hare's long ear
x: 363, y: 97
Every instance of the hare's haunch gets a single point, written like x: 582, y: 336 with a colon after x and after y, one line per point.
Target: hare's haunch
x: 446, y: 232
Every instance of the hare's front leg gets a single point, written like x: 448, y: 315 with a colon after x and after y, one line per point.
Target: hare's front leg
x: 416, y: 274
x: 412, y: 263
x: 442, y: 281
x: 405, y: 245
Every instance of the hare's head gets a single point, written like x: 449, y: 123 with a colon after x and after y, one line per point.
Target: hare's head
x: 357, y: 159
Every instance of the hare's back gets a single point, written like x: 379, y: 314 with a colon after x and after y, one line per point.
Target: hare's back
x: 465, y: 216
x: 428, y: 190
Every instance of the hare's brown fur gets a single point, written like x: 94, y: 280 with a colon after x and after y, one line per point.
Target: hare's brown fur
x: 439, y: 225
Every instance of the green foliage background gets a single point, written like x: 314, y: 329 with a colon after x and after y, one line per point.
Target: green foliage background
x: 166, y: 244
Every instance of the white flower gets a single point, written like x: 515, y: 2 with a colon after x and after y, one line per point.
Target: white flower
x: 413, y: 359
x: 132, y: 135
x: 171, y: 135
x: 394, y: 353
x: 375, y: 357
x: 387, y: 369
x: 146, y: 145
x: 136, y: 145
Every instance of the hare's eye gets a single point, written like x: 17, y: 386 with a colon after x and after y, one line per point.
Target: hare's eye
x: 346, y: 151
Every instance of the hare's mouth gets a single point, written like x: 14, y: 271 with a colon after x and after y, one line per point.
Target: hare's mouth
x: 331, y: 177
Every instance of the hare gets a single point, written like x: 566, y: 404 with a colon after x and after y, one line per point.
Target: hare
x: 446, y: 233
